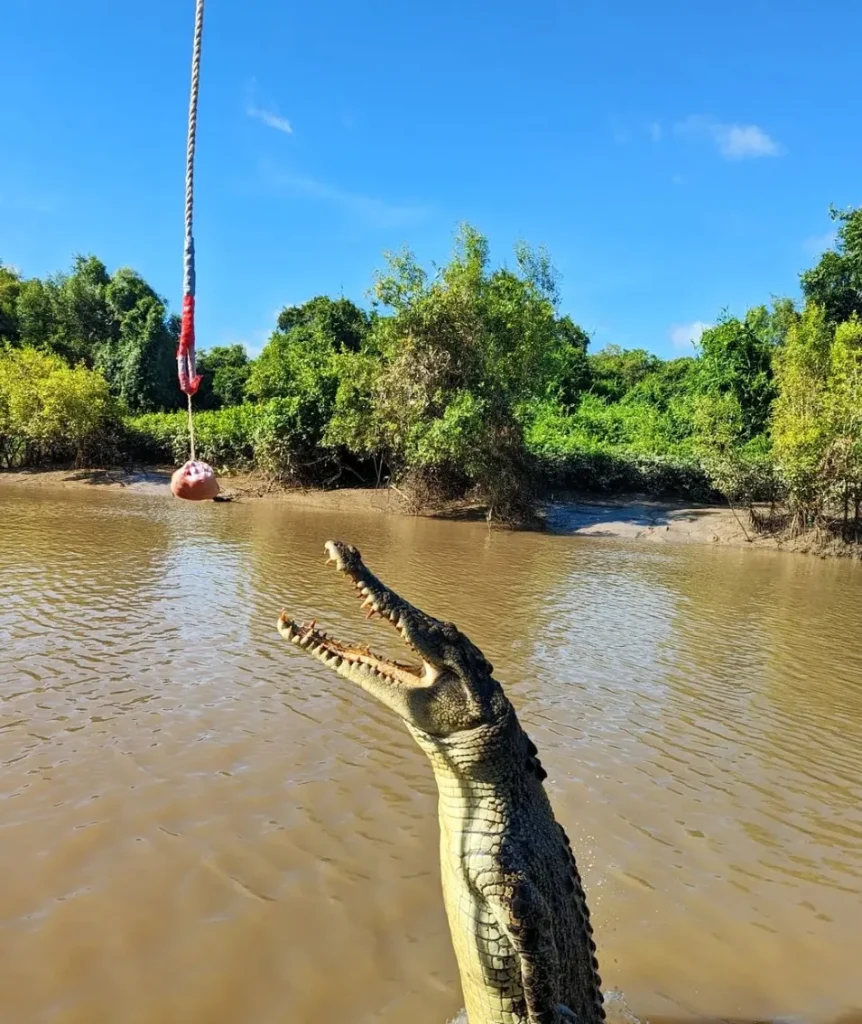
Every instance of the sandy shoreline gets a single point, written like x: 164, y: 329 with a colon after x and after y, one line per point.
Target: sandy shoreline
x: 626, y: 517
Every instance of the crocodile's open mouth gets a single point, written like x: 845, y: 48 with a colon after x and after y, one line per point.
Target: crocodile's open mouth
x: 348, y: 659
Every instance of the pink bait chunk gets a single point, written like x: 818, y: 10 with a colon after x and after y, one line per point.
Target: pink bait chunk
x: 195, y: 481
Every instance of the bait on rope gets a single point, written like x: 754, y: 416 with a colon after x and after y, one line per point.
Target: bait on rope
x: 195, y: 481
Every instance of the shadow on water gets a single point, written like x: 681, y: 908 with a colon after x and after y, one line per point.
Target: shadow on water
x: 854, y: 1017
x: 109, y: 478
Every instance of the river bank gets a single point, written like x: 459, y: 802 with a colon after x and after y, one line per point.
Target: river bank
x: 626, y: 517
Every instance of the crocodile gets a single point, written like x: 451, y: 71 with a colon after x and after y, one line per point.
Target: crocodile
x: 514, y: 901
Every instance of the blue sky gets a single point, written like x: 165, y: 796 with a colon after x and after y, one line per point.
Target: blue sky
x: 675, y: 158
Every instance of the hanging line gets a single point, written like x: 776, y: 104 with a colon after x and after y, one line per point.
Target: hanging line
x: 189, y: 378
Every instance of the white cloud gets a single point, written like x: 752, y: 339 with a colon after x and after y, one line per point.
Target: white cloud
x: 267, y: 114
x: 733, y: 141
x: 375, y: 212
x: 655, y: 131
x: 682, y: 336
x: 270, y: 118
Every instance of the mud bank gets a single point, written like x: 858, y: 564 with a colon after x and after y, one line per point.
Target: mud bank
x: 624, y: 517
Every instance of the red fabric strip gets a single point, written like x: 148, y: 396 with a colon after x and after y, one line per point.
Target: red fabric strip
x: 189, y: 380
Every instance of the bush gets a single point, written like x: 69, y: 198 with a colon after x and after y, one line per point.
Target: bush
x: 51, y: 412
x: 598, y: 449
x: 271, y: 436
x: 223, y: 437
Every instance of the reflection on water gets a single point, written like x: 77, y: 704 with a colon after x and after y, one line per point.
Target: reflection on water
x: 201, y: 825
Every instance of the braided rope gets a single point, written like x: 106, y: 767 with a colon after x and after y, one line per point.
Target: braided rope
x: 189, y: 378
x: 189, y: 267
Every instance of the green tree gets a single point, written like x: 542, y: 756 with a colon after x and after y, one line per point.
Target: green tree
x: 735, y: 368
x: 298, y: 370
x: 225, y: 371
x: 36, y: 314
x: 835, y: 283
x: 84, y: 321
x: 800, y: 423
x: 10, y: 289
x: 67, y: 314
x: 843, y: 464
x: 340, y: 320
x: 462, y: 359
x: 574, y: 373
x: 137, y: 352
x: 115, y: 323
x: 615, y: 371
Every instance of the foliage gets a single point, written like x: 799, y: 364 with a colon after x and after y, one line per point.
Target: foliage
x: 460, y: 357
x: 799, y: 428
x: 817, y: 427
x: 615, y: 371
x: 356, y: 424
x: 464, y: 381
x: 736, y: 364
x: 267, y: 436
x: 114, y: 323
x: 339, y: 320
x: 52, y: 412
x: 297, y: 376
x: 835, y: 283
x: 224, y: 437
x: 225, y: 371
x: 10, y: 289
x: 843, y: 464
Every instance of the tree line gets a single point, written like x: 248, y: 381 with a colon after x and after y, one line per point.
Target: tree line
x: 465, y: 381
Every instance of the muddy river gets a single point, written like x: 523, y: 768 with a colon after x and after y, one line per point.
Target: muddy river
x: 201, y: 825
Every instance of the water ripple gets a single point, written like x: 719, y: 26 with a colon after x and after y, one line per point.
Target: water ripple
x: 201, y: 824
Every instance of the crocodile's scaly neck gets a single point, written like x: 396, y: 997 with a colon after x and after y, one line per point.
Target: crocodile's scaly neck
x: 482, y: 775
x: 488, y: 781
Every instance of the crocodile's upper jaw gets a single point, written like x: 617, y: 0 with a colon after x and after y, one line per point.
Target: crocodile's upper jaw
x: 449, y: 690
x: 357, y: 662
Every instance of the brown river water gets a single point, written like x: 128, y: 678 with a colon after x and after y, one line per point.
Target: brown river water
x: 201, y: 825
